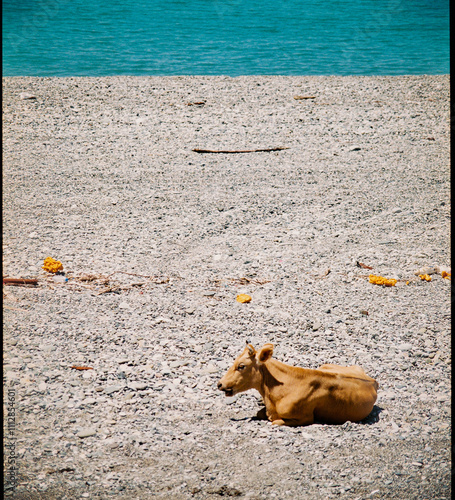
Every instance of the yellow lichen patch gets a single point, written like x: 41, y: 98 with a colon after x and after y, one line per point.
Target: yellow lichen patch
x: 446, y: 275
x: 379, y: 280
x: 425, y: 277
x: 243, y: 297
x: 51, y: 265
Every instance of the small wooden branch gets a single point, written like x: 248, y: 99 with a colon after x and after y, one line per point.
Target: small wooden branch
x: 19, y: 281
x: 246, y: 281
x: 197, y: 150
x: 113, y: 288
x: 159, y: 280
x: 13, y: 308
x: 130, y: 274
x: 364, y: 266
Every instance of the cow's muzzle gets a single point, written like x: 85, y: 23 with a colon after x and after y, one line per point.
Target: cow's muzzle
x: 229, y: 391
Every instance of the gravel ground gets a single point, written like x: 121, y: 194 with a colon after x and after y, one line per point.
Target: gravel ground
x: 100, y: 173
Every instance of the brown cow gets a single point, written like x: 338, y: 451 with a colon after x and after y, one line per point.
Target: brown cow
x: 298, y: 396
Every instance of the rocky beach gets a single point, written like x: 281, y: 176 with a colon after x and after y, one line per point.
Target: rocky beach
x: 110, y: 367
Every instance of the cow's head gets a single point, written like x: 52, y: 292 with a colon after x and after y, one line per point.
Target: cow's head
x: 245, y: 373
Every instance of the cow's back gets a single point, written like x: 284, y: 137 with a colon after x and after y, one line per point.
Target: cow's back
x: 345, y: 393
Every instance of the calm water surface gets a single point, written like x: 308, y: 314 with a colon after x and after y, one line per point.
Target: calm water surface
x: 230, y: 37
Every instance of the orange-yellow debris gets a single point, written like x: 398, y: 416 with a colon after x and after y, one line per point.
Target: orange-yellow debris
x: 425, y: 277
x: 446, y: 275
x: 243, y: 297
x: 379, y: 280
x: 51, y: 265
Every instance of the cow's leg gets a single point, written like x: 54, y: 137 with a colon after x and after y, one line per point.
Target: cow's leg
x: 294, y: 422
x: 295, y: 413
x: 274, y: 417
x: 293, y: 416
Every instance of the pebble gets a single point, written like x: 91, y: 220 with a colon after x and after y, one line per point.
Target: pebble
x: 230, y: 400
x: 165, y: 369
x: 210, y: 369
x: 404, y: 347
x: 83, y: 433
x: 113, y: 388
x: 436, y: 357
x: 138, y: 386
x: 426, y: 270
x: 89, y: 401
x: 316, y: 325
x: 160, y: 320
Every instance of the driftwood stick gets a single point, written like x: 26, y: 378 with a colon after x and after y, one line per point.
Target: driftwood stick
x: 19, y: 281
x: 165, y: 280
x: 197, y: 150
x: 130, y: 274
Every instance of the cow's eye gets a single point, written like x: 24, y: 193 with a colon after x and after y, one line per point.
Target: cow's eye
x: 240, y: 367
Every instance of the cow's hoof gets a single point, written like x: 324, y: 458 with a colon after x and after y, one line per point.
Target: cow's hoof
x: 278, y: 422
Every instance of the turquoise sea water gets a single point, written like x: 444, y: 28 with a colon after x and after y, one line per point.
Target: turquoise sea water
x: 225, y: 37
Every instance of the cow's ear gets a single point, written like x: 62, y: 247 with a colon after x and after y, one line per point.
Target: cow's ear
x: 251, y: 350
x: 265, y: 353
